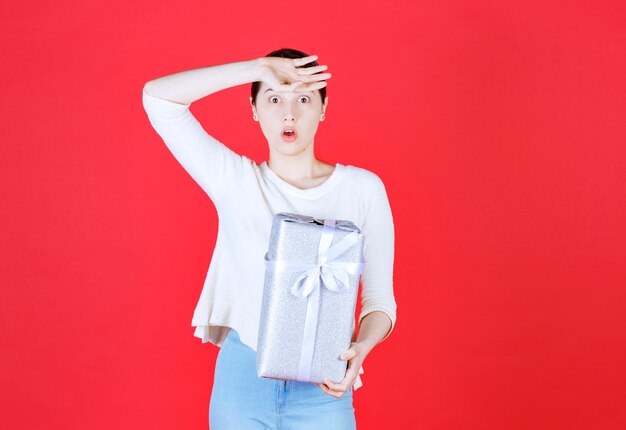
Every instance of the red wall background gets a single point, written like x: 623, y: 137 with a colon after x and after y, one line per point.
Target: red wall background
x: 497, y: 126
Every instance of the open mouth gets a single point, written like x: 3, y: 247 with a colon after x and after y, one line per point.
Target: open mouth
x: 289, y: 134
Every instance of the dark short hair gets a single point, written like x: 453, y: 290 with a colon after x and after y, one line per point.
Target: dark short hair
x: 286, y: 53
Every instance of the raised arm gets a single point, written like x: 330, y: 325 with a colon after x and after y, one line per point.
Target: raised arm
x: 166, y: 101
x: 188, y: 86
x: 282, y: 74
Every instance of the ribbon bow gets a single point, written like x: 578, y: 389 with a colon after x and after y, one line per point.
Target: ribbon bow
x: 332, y: 274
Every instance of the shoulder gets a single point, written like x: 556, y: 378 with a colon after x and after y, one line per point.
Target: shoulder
x: 364, y: 179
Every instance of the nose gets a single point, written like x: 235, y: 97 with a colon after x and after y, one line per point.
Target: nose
x: 289, y: 116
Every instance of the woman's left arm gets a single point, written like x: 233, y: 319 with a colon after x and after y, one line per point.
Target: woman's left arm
x: 378, y: 311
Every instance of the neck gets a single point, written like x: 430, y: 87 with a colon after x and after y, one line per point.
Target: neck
x: 295, y: 167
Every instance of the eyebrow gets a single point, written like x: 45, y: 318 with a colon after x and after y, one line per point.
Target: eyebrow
x: 269, y: 89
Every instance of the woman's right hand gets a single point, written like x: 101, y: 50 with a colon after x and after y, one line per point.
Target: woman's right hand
x: 287, y: 74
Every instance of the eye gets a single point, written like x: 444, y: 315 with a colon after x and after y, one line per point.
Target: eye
x: 305, y: 98
x: 272, y: 98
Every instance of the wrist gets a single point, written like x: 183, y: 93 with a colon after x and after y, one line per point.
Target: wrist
x: 366, y: 345
x: 260, y: 65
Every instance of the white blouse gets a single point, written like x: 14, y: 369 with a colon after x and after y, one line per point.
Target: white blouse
x: 246, y: 196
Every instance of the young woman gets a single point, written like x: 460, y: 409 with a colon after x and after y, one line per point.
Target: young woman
x: 288, y: 99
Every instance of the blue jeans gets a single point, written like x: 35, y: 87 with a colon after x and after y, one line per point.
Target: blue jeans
x: 242, y: 400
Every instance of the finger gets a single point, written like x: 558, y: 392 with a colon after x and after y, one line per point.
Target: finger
x: 295, y: 85
x: 304, y: 60
x: 315, y: 77
x: 331, y: 392
x: 311, y: 70
x: 337, y: 388
x: 311, y: 87
x: 288, y: 87
x: 351, y: 374
x: 325, y: 389
x: 348, y: 354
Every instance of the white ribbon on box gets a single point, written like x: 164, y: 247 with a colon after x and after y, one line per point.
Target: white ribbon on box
x: 332, y: 274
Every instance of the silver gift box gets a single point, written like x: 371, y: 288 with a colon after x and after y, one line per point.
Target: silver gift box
x: 301, y: 338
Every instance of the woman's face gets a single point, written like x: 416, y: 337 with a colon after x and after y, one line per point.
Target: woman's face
x: 288, y: 120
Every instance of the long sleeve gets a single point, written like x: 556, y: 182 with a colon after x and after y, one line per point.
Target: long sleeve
x: 378, y: 249
x: 210, y: 163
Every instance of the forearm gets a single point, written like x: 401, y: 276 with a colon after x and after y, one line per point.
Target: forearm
x: 190, y: 85
x: 374, y: 327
